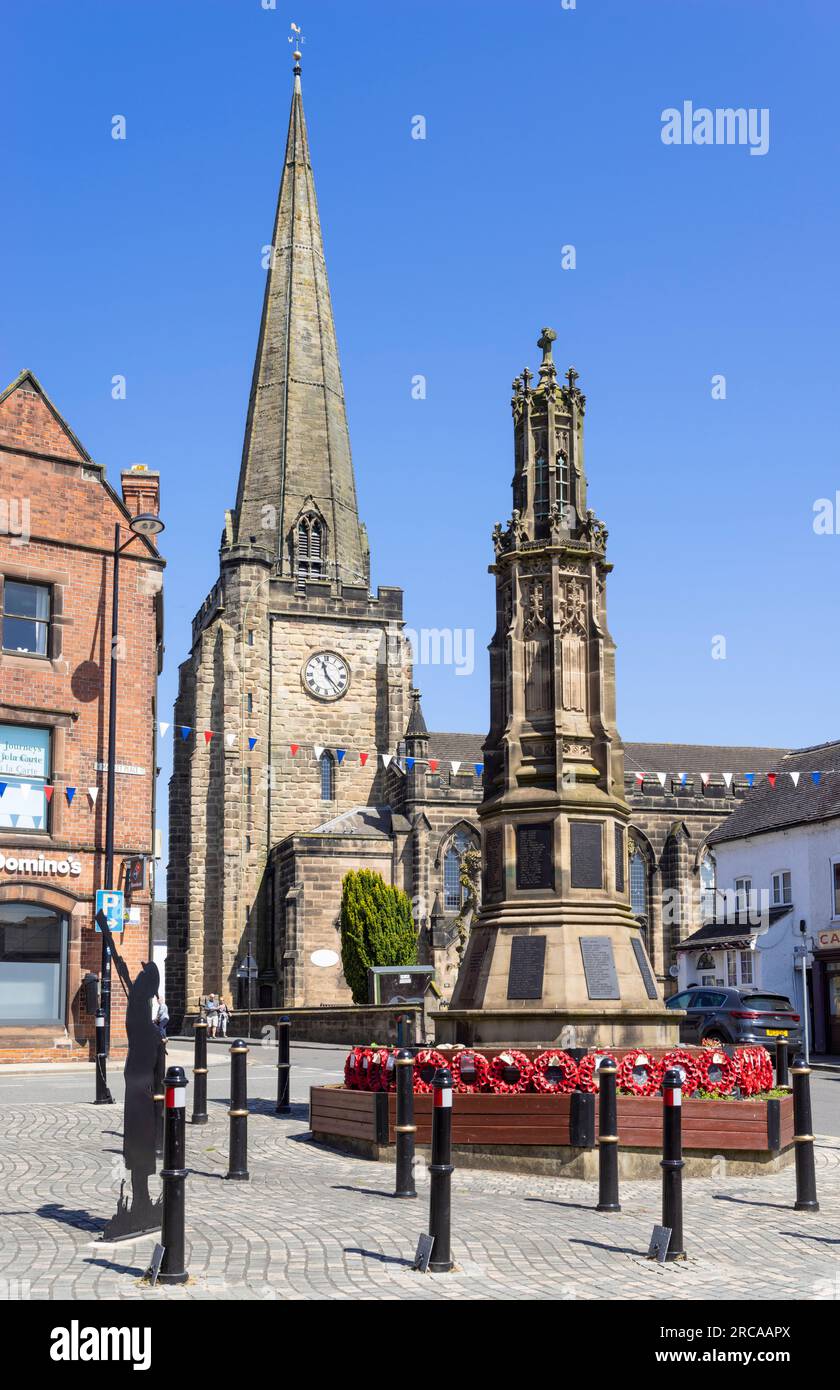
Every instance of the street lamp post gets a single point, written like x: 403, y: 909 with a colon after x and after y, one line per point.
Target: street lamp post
x: 144, y: 524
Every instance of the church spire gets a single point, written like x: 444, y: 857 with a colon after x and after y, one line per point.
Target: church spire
x: 297, y: 492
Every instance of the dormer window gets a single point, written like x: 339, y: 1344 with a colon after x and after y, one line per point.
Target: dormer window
x: 311, y: 547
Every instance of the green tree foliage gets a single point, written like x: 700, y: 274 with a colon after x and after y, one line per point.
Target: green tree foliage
x: 376, y: 928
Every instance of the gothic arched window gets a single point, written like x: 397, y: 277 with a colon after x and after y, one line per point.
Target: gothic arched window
x: 540, y: 489
x: 562, y: 483
x: 310, y: 547
x: 638, y: 884
x: 327, y: 776
x: 707, y: 887
x: 454, y: 892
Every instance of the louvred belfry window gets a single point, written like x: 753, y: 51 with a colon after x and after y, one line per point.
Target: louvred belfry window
x: 310, y: 548
x: 540, y: 489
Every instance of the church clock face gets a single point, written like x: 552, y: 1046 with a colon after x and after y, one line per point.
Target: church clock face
x: 326, y: 675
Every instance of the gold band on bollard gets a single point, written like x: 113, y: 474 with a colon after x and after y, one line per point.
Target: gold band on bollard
x: 199, y: 1071
x: 803, y: 1138
x: 405, y: 1061
x: 405, y: 1129
x: 233, y: 1114
x: 607, y: 1138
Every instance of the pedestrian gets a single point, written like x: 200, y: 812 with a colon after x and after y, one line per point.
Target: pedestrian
x: 224, y: 1018
x: 211, y: 1013
x: 161, y: 1016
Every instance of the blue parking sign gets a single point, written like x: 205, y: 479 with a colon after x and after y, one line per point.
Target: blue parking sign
x: 112, y: 903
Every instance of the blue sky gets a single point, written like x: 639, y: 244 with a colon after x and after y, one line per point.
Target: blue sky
x: 142, y: 257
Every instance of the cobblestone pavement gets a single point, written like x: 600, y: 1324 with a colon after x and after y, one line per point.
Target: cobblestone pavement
x: 312, y: 1224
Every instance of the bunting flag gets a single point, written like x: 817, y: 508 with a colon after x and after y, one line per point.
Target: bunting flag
x: 185, y: 731
x: 24, y: 790
x: 640, y: 779
x: 93, y: 793
x: 409, y: 762
x: 727, y: 777
x: 294, y: 747
x: 434, y: 764
x: 815, y: 778
x: 3, y: 786
x: 69, y: 792
x: 340, y: 753
x: 164, y: 729
x: 455, y: 768
x: 794, y: 777
x: 14, y: 819
x: 683, y: 778
x: 208, y: 734
x: 363, y: 757
x: 479, y: 769
x: 771, y: 778
x: 387, y: 759
x: 230, y: 740
x: 318, y: 751
x: 661, y: 778
x: 750, y: 778
x: 252, y: 743
x: 704, y: 778
x: 48, y: 791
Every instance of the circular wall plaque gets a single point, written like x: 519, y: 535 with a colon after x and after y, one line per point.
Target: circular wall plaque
x: 324, y: 958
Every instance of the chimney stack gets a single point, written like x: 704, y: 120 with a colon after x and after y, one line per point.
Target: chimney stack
x: 141, y: 489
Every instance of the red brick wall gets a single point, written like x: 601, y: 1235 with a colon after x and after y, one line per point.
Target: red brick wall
x: 46, y: 477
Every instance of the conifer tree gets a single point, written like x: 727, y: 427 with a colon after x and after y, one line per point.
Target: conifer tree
x: 376, y: 928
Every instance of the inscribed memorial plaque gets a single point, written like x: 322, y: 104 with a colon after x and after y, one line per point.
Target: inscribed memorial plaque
x: 535, y: 855
x: 599, y: 967
x: 587, y: 854
x: 642, y: 962
x: 494, y: 866
x: 527, y: 966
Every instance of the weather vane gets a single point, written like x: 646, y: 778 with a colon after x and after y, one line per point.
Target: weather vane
x: 296, y: 37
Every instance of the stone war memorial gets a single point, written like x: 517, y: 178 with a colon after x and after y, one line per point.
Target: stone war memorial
x: 555, y: 953
x: 555, y: 981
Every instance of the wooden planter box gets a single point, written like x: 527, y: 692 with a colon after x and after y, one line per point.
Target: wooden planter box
x: 556, y: 1121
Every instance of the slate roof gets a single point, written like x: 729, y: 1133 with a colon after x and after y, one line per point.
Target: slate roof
x: 640, y: 757
x: 768, y: 808
x: 369, y: 822
x: 730, y: 933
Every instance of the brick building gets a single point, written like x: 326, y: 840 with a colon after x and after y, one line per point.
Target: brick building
x: 58, y: 515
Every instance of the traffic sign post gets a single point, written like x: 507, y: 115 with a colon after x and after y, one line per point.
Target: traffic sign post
x: 111, y: 903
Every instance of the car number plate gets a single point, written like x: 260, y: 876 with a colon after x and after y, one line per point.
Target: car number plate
x: 777, y: 1032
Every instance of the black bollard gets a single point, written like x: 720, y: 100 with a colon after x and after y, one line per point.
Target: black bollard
x: 803, y: 1138
x: 405, y: 1127
x: 782, y: 1078
x: 199, y: 1114
x: 173, y: 1177
x: 672, y: 1161
x: 402, y: 1031
x: 607, y: 1137
x: 284, y: 1067
x: 440, y: 1200
x: 103, y: 1095
x: 238, y: 1157
x: 159, y: 1096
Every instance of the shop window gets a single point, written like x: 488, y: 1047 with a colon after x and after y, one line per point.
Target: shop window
x: 835, y: 885
x: 746, y: 967
x: 731, y: 969
x: 24, y: 776
x: 26, y: 618
x: 33, y: 961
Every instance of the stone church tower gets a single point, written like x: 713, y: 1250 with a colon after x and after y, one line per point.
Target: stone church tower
x: 555, y: 946
x: 289, y: 647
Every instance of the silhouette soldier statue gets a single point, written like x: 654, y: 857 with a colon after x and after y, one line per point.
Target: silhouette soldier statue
x: 142, y: 1214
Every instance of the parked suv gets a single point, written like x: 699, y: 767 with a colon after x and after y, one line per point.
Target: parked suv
x: 743, y: 1016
